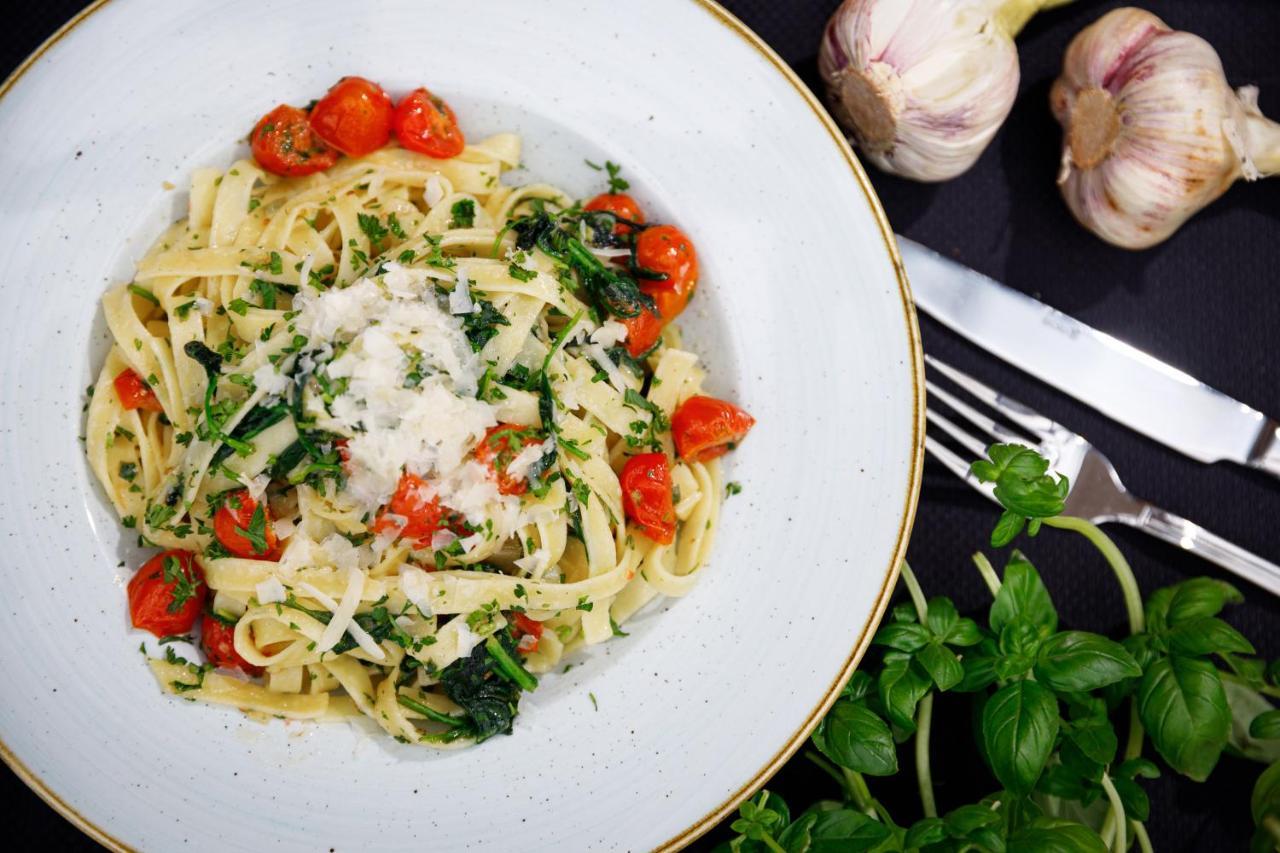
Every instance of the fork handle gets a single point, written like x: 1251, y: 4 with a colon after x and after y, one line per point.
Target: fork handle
x: 1192, y: 537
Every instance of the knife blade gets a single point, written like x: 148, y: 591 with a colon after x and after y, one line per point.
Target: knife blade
x: 1119, y: 380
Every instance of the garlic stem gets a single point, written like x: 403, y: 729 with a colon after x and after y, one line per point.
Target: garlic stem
x: 1012, y: 15
x: 1262, y: 142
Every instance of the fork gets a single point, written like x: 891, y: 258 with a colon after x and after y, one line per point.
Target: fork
x: 1096, y: 492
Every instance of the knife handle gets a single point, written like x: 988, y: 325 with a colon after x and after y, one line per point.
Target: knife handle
x: 1192, y: 537
x: 1266, y: 453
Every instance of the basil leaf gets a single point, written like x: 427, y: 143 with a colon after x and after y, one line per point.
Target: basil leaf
x: 1182, y: 705
x: 1055, y: 835
x: 904, y: 636
x: 979, y: 667
x: 942, y: 617
x: 1207, y: 635
x: 1133, y: 798
x: 842, y: 830
x: 1135, y: 767
x: 965, y: 632
x: 854, y: 736
x: 858, y: 686
x: 1266, y: 726
x: 901, y: 688
x: 1265, y: 801
x: 1019, y: 726
x: 1095, y: 738
x: 1080, y: 661
x: 942, y: 665
x: 929, y: 830
x: 1007, y: 528
x: 1023, y: 594
x: 798, y: 837
x: 1199, y: 597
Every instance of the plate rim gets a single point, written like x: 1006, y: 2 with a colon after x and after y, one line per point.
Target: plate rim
x: 740, y: 30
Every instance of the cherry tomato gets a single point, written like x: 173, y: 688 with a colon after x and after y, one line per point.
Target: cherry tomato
x: 424, y: 123
x: 283, y: 144
x: 531, y: 629
x: 218, y: 639
x: 134, y: 393
x: 244, y: 528
x: 646, y: 496
x: 422, y: 516
x: 499, y: 446
x: 167, y: 594
x: 665, y: 249
x: 620, y: 205
x: 354, y: 117
x: 643, y: 331
x: 704, y: 428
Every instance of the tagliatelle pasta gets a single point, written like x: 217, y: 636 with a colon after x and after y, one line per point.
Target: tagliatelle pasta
x: 385, y: 421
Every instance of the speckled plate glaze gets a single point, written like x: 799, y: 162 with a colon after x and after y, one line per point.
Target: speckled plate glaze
x: 804, y: 317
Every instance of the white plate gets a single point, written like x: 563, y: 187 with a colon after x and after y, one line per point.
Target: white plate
x: 804, y: 318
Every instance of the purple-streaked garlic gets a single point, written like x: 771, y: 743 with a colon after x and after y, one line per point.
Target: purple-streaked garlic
x: 1152, y: 131
x: 923, y: 85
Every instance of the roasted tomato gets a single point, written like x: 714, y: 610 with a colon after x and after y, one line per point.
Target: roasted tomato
x: 530, y: 631
x: 167, y: 594
x: 218, y: 639
x: 244, y: 528
x: 283, y: 144
x: 354, y: 117
x: 500, y: 445
x: 620, y: 205
x: 646, y: 496
x: 643, y: 331
x: 424, y: 123
x: 704, y: 428
x: 134, y: 393
x: 665, y: 249
x: 418, y: 511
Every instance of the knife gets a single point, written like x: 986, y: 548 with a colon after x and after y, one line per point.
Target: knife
x: 1122, y: 382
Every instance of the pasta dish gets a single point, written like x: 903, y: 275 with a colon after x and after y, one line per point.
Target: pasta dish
x: 404, y: 434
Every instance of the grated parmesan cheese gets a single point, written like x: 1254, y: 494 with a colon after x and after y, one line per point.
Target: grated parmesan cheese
x: 270, y: 591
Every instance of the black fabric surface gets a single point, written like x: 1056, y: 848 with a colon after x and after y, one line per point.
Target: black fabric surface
x: 1205, y: 302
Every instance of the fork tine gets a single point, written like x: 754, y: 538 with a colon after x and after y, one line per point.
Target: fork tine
x: 971, y: 443
x: 958, y: 466
x: 1019, y: 413
x: 990, y: 426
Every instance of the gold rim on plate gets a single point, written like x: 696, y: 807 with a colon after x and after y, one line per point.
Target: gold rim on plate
x: 711, y: 818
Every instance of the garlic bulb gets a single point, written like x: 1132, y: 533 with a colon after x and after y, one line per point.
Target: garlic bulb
x: 1153, y: 132
x: 923, y: 85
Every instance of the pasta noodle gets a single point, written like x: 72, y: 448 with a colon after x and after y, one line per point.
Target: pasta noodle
x: 341, y: 346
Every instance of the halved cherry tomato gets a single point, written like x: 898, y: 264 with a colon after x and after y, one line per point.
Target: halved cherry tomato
x: 499, y: 447
x: 704, y: 428
x: 665, y: 249
x: 167, y: 594
x: 620, y: 205
x: 531, y: 631
x: 218, y: 639
x: 244, y: 528
x: 134, y: 393
x: 283, y: 144
x: 424, y: 123
x: 646, y: 496
x: 354, y: 117
x: 422, y: 514
x: 643, y: 331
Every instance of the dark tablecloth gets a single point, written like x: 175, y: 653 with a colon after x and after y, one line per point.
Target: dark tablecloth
x: 1205, y: 301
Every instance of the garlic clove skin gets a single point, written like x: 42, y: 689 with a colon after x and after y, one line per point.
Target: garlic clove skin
x: 1152, y: 131
x: 923, y: 85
